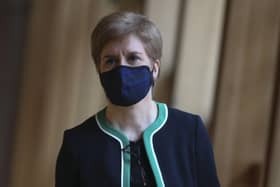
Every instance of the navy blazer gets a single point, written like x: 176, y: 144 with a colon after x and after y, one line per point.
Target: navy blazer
x: 177, y: 146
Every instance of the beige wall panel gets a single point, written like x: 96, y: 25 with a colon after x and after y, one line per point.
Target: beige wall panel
x: 244, y: 102
x: 274, y: 165
x: 60, y: 86
x: 128, y: 5
x: 165, y: 15
x: 198, y: 56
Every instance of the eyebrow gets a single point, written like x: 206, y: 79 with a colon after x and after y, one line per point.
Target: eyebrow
x: 108, y: 56
x: 129, y: 53
x: 134, y: 52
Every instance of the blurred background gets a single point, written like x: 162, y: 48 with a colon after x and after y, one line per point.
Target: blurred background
x: 220, y: 60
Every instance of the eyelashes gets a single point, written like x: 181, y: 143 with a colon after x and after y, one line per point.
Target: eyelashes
x: 133, y: 58
x: 130, y: 59
x: 110, y: 61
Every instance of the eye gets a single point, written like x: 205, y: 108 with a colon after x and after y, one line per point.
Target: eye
x: 110, y: 61
x: 133, y: 58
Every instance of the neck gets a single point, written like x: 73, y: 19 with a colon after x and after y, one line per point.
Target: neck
x: 133, y: 120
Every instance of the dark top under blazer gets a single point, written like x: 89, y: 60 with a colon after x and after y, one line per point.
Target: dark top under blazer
x: 177, y: 145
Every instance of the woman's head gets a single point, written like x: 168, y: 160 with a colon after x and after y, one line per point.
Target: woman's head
x: 124, y: 24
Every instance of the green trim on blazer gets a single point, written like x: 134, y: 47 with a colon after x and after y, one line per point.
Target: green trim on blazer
x: 148, y: 134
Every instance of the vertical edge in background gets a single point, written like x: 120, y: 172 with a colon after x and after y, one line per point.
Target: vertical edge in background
x: 178, y: 42
x: 213, y: 115
x: 273, y: 116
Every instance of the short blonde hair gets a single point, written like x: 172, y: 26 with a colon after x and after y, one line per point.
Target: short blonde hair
x: 121, y: 24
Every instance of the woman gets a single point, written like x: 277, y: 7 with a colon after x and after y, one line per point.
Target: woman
x: 134, y: 141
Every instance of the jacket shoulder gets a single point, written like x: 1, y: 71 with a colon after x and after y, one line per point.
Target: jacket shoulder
x: 182, y: 117
x: 184, y: 122
x: 86, y: 128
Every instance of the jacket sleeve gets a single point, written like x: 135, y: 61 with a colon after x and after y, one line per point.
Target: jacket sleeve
x: 66, y: 172
x: 206, y: 169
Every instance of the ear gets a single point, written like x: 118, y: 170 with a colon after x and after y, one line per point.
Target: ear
x: 155, y: 69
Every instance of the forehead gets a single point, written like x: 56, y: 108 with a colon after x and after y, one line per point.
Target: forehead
x: 124, y: 44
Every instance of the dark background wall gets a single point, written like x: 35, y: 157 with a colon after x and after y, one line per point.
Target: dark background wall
x: 13, y: 23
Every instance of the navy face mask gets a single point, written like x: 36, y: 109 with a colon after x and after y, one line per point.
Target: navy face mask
x: 125, y: 86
